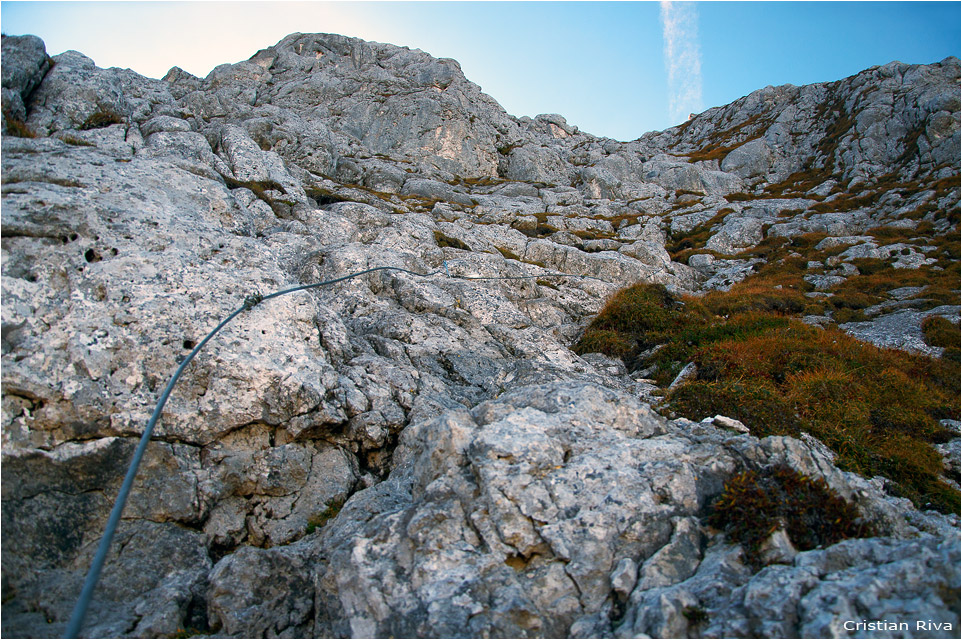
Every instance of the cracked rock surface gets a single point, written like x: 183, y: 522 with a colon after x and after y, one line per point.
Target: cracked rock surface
x: 420, y: 455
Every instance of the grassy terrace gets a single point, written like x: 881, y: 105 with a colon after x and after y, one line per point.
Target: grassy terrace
x: 878, y: 409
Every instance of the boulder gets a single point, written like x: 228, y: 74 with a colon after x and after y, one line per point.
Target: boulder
x: 736, y: 234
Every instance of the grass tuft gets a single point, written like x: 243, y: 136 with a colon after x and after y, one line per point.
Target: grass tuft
x: 759, y: 405
x: 694, y: 238
x: 323, y: 197
x: 941, y: 332
x: 695, y: 615
x: 75, y: 141
x: 100, y: 119
x: 17, y: 127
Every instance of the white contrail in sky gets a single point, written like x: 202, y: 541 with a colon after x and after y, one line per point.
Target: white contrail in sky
x: 679, y: 24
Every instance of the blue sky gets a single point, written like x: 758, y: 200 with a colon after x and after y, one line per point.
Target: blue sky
x: 611, y: 68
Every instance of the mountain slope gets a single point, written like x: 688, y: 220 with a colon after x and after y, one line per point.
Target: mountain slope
x: 426, y: 456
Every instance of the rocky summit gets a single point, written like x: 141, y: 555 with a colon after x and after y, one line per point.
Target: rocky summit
x: 435, y: 450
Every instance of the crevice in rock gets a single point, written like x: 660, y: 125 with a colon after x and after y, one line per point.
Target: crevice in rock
x: 218, y: 552
x: 195, y: 617
x: 28, y: 104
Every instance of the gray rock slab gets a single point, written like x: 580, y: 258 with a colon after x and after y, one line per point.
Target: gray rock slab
x: 900, y: 330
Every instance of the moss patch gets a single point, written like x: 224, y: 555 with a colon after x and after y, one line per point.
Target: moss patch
x: 330, y: 511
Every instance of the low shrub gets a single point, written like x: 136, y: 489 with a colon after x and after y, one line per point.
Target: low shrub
x: 940, y: 332
x: 871, y: 406
x: 640, y: 309
x: 756, y: 296
x: 611, y: 343
x: 871, y: 266
x: 799, y: 184
x: 634, y: 319
x: 940, y: 295
x: 767, y: 248
x: 700, y: 330
x: 849, y: 299
x: 755, y: 504
x: 713, y: 152
x: 844, y: 316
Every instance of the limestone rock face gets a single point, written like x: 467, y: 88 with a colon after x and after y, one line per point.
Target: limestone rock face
x: 25, y: 63
x: 812, y: 597
x: 416, y: 451
x: 550, y: 509
x: 858, y: 127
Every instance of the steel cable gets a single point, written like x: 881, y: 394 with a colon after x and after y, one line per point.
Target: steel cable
x: 93, y: 575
